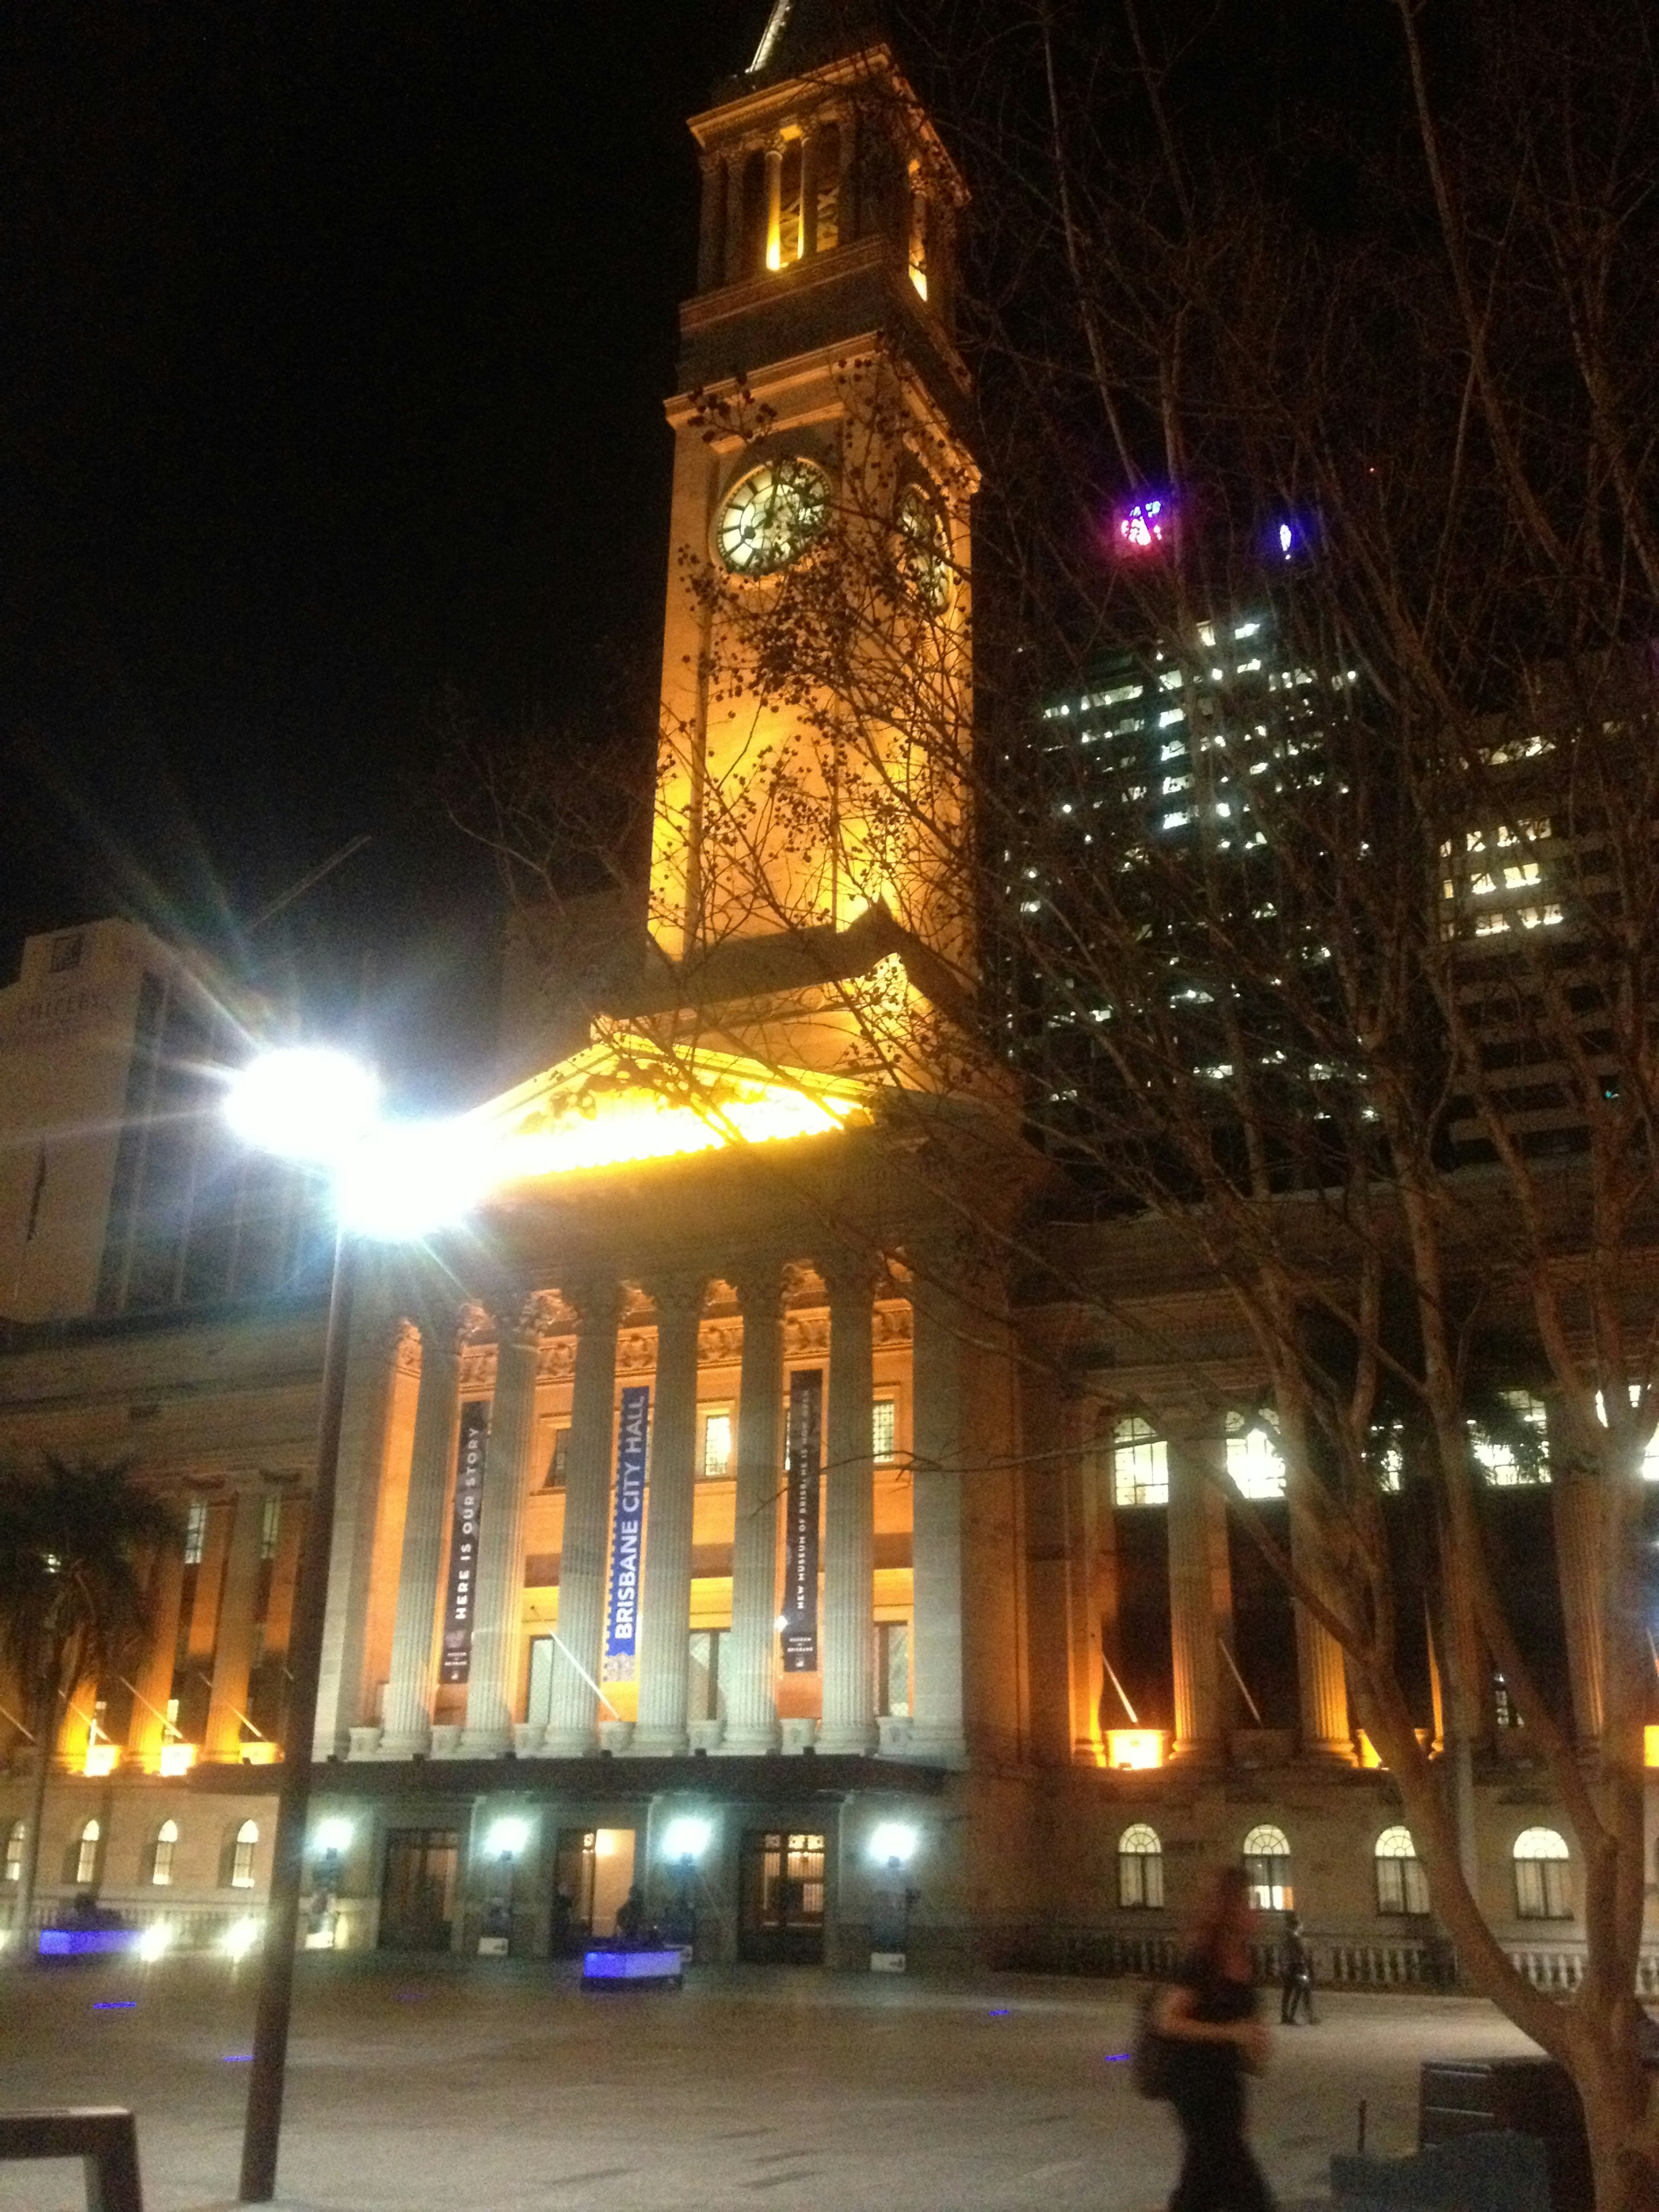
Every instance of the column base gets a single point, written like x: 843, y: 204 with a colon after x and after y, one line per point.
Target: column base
x: 935, y: 1748
x: 412, y: 1744
x: 484, y: 1743
x: 570, y: 1743
x: 858, y: 1742
x: 365, y: 1743
x: 527, y: 1738
x: 658, y: 1743
x: 748, y: 1743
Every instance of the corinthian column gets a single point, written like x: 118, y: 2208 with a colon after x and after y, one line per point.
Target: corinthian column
x: 1321, y: 1673
x: 1192, y: 1445
x: 665, y: 1596
x: 849, y: 1703
x: 233, y: 1649
x: 751, y: 1720
x: 491, y: 1680
x: 571, y: 1727
x: 408, y: 1715
x: 940, y: 1346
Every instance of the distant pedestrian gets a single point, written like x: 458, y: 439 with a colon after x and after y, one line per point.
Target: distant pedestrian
x: 630, y: 1916
x: 1297, y: 1987
x: 1208, y: 2015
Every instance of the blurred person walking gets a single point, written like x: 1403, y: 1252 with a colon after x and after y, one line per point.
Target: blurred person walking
x: 1297, y: 1987
x: 1212, y: 2038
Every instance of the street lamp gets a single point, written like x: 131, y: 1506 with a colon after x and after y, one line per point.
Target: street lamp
x: 506, y: 1840
x: 333, y: 1841
x: 684, y: 1841
x: 892, y: 1846
x: 320, y: 1109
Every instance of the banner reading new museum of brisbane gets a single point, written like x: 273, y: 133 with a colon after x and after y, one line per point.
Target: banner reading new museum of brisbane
x: 457, y: 1662
x: 622, y: 1618
x: 802, y: 1445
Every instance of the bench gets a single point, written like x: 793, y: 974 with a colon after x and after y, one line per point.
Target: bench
x: 104, y: 2138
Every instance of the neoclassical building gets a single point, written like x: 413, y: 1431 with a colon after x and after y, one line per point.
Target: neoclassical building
x: 718, y: 1513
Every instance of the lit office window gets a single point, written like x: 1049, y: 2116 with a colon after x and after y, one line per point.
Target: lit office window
x: 1543, y: 1887
x: 883, y: 1431
x: 196, y: 1521
x: 1253, y: 1461
x: 716, y: 1447
x: 1506, y: 1465
x: 1140, y: 1464
x: 241, y: 1859
x: 161, y: 1863
x: 1267, y: 1856
x: 1401, y: 1884
x: 558, y: 1466
x: 1139, y: 1869
x: 15, y: 1835
x: 270, y: 1526
x: 86, y: 1858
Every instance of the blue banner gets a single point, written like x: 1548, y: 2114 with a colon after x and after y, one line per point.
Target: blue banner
x: 802, y: 1452
x: 622, y: 1618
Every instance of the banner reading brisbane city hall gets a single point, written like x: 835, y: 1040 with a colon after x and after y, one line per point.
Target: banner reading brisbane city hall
x: 457, y: 1662
x: 622, y: 1618
x: 801, y: 1453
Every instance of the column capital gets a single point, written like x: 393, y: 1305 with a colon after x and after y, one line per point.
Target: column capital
x: 541, y: 1313
x: 850, y: 1274
x: 595, y: 1303
x: 759, y: 1281
x: 677, y: 1294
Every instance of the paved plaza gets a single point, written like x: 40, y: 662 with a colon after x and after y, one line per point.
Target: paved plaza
x: 444, y: 2089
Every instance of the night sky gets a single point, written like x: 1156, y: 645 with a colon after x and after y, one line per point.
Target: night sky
x: 335, y: 344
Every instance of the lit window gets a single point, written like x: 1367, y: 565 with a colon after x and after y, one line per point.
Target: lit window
x: 1254, y: 1465
x: 1139, y: 1869
x: 195, y: 1520
x: 1267, y: 1856
x: 883, y: 1431
x: 716, y: 1447
x: 1543, y: 1887
x: 161, y: 1864
x: 1505, y: 1464
x: 270, y: 1526
x: 15, y: 1835
x: 86, y: 1858
x: 241, y: 1860
x: 1140, y: 1464
x: 1401, y: 1884
x: 558, y: 1464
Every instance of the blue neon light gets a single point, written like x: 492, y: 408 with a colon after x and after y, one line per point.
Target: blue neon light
x: 631, y: 1965
x: 76, y: 1942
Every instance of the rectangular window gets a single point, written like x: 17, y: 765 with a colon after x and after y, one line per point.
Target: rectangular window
x: 538, y: 1708
x: 1401, y: 1887
x: 1140, y: 1464
x: 1140, y: 1880
x: 703, y: 1701
x: 1510, y: 1462
x: 716, y: 1447
x: 883, y: 1431
x: 195, y: 1520
x: 1541, y: 1890
x: 558, y: 1466
x: 270, y: 1526
x: 893, y: 1667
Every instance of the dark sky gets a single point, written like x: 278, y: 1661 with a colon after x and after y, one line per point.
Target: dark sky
x: 334, y: 341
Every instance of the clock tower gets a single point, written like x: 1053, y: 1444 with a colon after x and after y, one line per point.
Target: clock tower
x: 806, y: 900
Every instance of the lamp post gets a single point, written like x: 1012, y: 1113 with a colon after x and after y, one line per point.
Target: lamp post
x: 684, y: 1841
x: 506, y: 1840
x: 892, y: 1846
x: 321, y: 1108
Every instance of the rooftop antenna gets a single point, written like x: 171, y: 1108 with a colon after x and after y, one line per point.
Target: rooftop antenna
x: 771, y: 35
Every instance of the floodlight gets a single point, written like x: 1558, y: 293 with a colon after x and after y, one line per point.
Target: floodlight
x: 334, y: 1836
x: 894, y: 1843
x: 686, y: 1838
x: 507, y: 1839
x: 240, y: 1938
x: 407, y: 1179
x: 304, y: 1102
x: 156, y: 1939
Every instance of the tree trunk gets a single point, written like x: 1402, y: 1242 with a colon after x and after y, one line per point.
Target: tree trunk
x: 1622, y: 2152
x: 45, y: 1743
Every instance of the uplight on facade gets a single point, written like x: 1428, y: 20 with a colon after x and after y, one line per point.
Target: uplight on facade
x: 259, y: 1754
x: 1134, y: 1747
x: 175, y: 1759
x: 102, y: 1757
x: 1650, y: 1747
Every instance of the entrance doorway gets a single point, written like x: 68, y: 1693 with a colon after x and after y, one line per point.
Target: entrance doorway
x: 417, y: 1892
x: 781, y: 1902
x: 592, y: 1872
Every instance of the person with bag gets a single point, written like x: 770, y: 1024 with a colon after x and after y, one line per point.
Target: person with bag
x: 1207, y: 2037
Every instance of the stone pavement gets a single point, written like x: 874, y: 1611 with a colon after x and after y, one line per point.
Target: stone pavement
x: 422, y: 2086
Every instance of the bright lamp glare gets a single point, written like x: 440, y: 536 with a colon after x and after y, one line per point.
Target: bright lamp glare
x: 240, y: 1938
x: 686, y: 1838
x: 507, y: 1839
x: 411, y: 1178
x: 305, y: 1103
x: 333, y: 1835
x: 894, y: 1840
x: 156, y: 1939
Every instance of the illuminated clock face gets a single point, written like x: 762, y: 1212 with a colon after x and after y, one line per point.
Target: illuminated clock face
x: 924, y: 547
x: 772, y: 516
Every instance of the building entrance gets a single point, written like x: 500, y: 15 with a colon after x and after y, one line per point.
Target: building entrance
x: 417, y: 1892
x: 781, y: 1902
x: 592, y: 1872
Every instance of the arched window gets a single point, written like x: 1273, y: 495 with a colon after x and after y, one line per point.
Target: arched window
x: 161, y: 1865
x: 1401, y: 1885
x: 15, y: 1836
x: 1139, y: 1869
x: 1268, y: 1869
x: 241, y: 1859
x: 1543, y: 1887
x: 86, y: 1858
x: 1140, y: 1463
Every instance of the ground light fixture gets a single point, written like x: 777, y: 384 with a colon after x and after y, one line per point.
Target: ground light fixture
x: 686, y: 1838
x: 333, y: 1837
x: 507, y: 1838
x: 893, y: 1843
x: 155, y: 1941
x: 240, y: 1938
